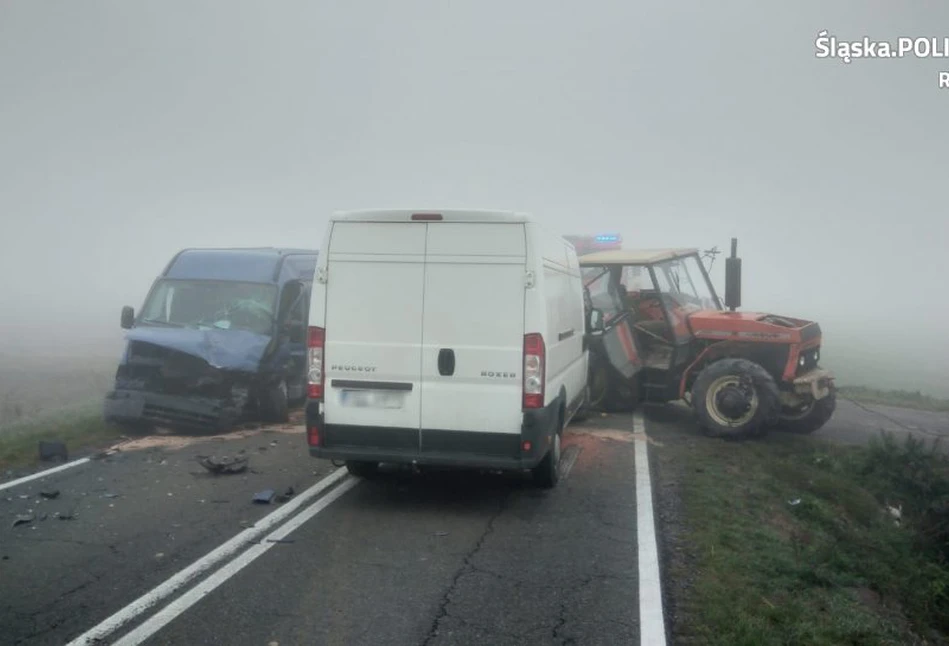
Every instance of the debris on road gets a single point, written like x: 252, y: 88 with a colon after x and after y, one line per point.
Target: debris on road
x: 264, y: 497
x: 65, y: 515
x: 280, y: 540
x: 50, y: 495
x: 441, y: 533
x: 23, y: 519
x: 795, y: 502
x: 223, y: 465
x: 110, y: 495
x: 50, y: 450
x: 286, y: 495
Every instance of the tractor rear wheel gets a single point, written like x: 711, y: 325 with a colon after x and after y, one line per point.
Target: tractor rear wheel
x: 735, y: 398
x: 809, y: 417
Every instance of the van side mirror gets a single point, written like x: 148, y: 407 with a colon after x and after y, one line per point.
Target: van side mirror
x: 128, y: 317
x: 733, y: 278
x: 596, y: 322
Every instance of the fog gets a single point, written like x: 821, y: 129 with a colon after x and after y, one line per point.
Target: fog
x: 131, y: 130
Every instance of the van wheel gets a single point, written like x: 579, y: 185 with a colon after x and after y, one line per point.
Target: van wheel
x: 547, y: 473
x: 275, y: 404
x: 362, y: 469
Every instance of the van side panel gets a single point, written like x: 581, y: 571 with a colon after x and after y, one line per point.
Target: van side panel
x: 375, y: 275
x: 577, y: 372
x: 474, y: 311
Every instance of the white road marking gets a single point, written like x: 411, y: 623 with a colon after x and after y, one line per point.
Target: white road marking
x: 652, y: 625
x: 203, y: 589
x: 43, y: 474
x: 190, y: 573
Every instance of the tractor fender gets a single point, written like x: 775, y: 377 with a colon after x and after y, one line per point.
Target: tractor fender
x: 709, y: 354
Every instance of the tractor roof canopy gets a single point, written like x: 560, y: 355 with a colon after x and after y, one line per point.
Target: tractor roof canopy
x: 634, y: 256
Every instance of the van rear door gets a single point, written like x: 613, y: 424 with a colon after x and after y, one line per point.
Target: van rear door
x: 375, y: 276
x: 473, y: 335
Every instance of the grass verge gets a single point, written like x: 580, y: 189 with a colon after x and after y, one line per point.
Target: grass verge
x: 80, y: 429
x: 788, y: 541
x: 902, y: 398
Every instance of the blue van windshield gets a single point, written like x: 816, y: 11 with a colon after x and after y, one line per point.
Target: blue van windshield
x: 206, y: 304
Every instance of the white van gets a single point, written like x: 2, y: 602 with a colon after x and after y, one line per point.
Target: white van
x: 449, y: 338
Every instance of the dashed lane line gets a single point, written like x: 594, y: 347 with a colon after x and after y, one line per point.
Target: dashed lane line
x: 203, y: 589
x: 222, y: 553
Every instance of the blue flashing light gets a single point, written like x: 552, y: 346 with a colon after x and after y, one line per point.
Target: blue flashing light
x: 608, y: 237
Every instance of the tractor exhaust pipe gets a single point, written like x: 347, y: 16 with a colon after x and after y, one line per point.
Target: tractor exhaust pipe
x: 733, y: 278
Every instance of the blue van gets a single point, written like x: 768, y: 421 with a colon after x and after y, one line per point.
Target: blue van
x: 221, y: 338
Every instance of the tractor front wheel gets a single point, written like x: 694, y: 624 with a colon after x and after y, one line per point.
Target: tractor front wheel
x: 809, y: 417
x: 735, y: 398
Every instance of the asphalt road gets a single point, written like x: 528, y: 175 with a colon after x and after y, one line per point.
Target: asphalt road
x: 442, y: 558
x: 855, y: 423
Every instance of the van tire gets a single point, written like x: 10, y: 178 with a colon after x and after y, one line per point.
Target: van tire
x: 362, y: 469
x: 274, y: 403
x: 547, y: 473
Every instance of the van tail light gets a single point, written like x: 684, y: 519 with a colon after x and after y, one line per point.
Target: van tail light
x: 533, y: 371
x: 316, y: 343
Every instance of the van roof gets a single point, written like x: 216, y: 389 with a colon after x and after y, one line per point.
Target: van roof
x: 252, y: 264
x: 448, y: 215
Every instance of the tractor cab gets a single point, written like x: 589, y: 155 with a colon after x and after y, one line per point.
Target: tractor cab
x: 655, y: 291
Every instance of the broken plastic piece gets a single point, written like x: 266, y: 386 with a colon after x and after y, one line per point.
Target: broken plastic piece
x: 224, y: 465
x: 23, y: 519
x: 264, y: 497
x: 50, y: 495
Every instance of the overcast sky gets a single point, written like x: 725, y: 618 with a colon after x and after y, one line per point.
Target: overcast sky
x: 129, y: 130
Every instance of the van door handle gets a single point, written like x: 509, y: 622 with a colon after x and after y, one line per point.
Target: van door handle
x: 567, y: 334
x: 446, y: 362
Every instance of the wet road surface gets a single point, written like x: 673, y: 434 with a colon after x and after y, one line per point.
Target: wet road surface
x: 430, y: 559
x: 437, y: 558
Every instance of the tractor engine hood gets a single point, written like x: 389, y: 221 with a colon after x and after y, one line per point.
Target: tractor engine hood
x: 753, y: 326
x: 224, y: 349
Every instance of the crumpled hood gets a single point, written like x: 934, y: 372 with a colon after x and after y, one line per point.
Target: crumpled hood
x: 226, y: 349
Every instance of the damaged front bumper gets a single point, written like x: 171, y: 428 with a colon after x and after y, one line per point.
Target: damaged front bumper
x: 817, y: 383
x: 182, y: 411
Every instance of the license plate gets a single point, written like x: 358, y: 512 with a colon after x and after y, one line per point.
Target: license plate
x: 371, y: 399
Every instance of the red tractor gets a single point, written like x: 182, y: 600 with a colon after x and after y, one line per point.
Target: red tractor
x: 658, y: 332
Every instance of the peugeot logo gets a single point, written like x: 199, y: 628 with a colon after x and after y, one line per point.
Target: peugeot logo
x: 342, y: 368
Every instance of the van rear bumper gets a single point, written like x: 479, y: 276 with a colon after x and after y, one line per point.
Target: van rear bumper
x: 435, y: 447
